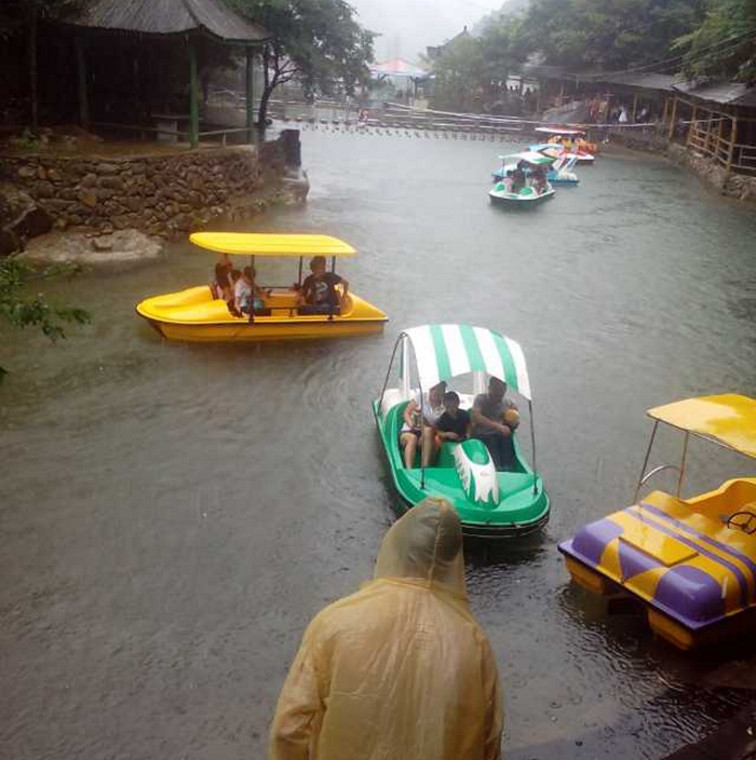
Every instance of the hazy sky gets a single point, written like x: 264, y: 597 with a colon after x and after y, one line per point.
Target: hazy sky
x: 407, y: 26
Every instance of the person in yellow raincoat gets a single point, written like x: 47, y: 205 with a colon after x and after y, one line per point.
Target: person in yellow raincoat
x: 400, y: 670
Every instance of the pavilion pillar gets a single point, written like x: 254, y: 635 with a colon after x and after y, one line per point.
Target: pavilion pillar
x: 635, y: 107
x: 731, y: 152
x: 249, y: 99
x: 193, y: 96
x: 81, y: 77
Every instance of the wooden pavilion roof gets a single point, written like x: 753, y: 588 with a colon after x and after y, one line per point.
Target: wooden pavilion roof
x: 167, y: 17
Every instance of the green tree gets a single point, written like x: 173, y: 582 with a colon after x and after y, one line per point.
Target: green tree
x: 32, y: 311
x: 606, y: 34
x: 460, y: 75
x: 319, y: 42
x: 725, y: 43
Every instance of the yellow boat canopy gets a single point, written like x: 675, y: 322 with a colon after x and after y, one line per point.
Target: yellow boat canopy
x: 268, y: 244
x: 729, y: 419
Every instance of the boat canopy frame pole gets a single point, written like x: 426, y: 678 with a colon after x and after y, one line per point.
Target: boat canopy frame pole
x: 299, y: 276
x: 533, y: 443
x: 645, y: 461
x: 388, y: 371
x: 682, y: 462
x: 422, y: 430
x: 403, y: 337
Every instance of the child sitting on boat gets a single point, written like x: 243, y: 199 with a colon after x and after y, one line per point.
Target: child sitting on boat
x: 248, y: 298
x: 221, y: 286
x: 454, y: 423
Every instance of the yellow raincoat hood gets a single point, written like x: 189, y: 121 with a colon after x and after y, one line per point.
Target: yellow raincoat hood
x: 400, y: 670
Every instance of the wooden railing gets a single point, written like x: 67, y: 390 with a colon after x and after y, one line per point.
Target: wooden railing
x: 706, y: 139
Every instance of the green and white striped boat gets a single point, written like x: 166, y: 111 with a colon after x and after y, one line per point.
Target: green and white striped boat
x: 490, y: 503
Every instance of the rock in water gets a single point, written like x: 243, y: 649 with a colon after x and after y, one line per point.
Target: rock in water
x: 102, y: 243
x: 20, y: 218
x: 121, y: 248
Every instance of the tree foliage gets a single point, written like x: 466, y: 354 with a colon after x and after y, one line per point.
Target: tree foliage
x: 606, y: 34
x: 714, y: 38
x: 725, y: 44
x: 319, y: 42
x: 33, y: 311
x: 471, y: 70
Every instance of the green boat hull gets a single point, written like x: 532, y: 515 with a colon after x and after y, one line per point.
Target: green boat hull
x: 521, y: 508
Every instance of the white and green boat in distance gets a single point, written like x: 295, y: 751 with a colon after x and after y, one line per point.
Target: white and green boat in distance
x: 529, y: 194
x: 491, y: 503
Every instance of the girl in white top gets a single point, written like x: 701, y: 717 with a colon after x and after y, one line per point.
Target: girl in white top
x: 413, y: 433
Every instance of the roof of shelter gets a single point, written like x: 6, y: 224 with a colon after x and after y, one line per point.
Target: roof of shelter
x: 648, y: 81
x: 398, y: 67
x: 170, y: 17
x: 730, y: 93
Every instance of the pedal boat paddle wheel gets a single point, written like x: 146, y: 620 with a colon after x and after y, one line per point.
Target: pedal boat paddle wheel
x: 194, y: 315
x: 527, y: 195
x: 690, y: 562
x: 490, y: 503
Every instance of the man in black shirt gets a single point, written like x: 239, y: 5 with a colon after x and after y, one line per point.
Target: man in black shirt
x: 319, y: 294
x: 454, y: 423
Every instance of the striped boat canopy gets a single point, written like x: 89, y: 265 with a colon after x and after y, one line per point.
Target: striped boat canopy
x: 443, y: 352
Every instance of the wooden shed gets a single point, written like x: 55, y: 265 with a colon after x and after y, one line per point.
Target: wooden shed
x: 722, y: 122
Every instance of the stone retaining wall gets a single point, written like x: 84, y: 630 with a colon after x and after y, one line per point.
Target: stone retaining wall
x: 740, y: 186
x: 165, y: 195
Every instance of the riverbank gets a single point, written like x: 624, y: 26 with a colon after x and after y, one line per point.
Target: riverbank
x: 741, y: 187
x: 163, y: 192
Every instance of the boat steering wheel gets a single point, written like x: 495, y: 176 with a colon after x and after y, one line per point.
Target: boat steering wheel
x: 746, y: 523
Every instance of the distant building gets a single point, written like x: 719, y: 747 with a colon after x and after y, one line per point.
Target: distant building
x: 434, y: 53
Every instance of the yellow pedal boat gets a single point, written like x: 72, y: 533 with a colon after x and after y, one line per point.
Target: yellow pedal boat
x: 194, y: 315
x: 690, y: 562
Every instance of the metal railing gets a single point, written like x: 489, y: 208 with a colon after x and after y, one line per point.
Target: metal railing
x: 179, y: 134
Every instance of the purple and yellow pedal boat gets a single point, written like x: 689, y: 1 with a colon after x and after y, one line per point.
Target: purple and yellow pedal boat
x: 691, y: 562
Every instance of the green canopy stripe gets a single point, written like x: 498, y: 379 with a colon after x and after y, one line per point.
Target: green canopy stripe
x: 442, y: 355
x: 510, y: 371
x: 477, y: 363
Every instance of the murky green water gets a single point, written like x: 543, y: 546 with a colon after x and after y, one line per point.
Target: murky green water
x: 173, y: 515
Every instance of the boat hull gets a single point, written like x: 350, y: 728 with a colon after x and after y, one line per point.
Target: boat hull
x: 694, y: 574
x: 193, y: 316
x: 251, y: 333
x: 514, y: 200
